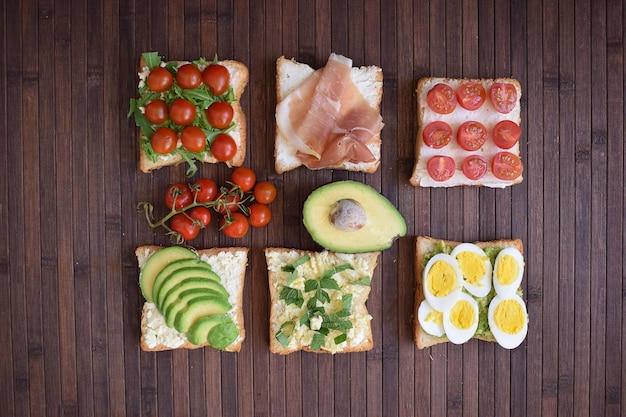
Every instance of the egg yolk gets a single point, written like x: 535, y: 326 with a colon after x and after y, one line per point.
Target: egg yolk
x: 435, y: 317
x: 507, y: 270
x: 441, y: 279
x: 509, y: 316
x: 462, y: 315
x: 473, y: 266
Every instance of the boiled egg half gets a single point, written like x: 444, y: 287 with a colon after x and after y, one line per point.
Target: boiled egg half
x: 442, y: 282
x: 461, y: 321
x: 508, y: 320
x: 475, y: 267
x: 430, y: 319
x: 508, y: 271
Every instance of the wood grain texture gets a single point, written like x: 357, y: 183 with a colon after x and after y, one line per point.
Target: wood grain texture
x: 69, y: 343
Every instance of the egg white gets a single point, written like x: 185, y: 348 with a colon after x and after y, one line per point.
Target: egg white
x: 508, y: 290
x: 444, y: 302
x: 430, y: 327
x: 504, y: 339
x: 461, y: 335
x: 483, y: 286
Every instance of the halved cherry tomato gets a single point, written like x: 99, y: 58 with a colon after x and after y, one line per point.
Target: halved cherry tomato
x: 229, y: 203
x: 189, y: 76
x: 506, y: 166
x: 264, y: 192
x: 260, y: 215
x: 220, y: 114
x: 503, y: 97
x: 440, y: 167
x: 184, y: 226
x: 193, y: 139
x: 157, y: 112
x: 202, y: 214
x: 474, y: 167
x: 159, y: 79
x: 182, y: 112
x: 179, y: 192
x: 164, y: 140
x: 440, y: 98
x: 244, y: 177
x: 206, y: 190
x: 237, y: 228
x: 217, y: 77
x: 437, y: 134
x: 472, y: 135
x: 506, y: 134
x: 223, y: 147
x: 471, y: 95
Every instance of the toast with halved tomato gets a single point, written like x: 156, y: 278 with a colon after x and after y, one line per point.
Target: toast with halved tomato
x: 468, y: 133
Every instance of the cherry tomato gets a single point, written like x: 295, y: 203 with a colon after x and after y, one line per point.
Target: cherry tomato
x: 437, y: 134
x: 163, y: 140
x: 474, y: 167
x: 471, y: 135
x: 217, y: 77
x: 157, y: 112
x: 506, y: 134
x: 264, y: 192
x: 471, y: 95
x: 503, y: 97
x: 182, y: 112
x: 189, y: 76
x: 260, y: 215
x: 193, y: 139
x: 159, y: 79
x: 184, y: 226
x: 229, y: 203
x: 181, y: 192
x: 440, y: 98
x: 237, y: 228
x: 244, y: 177
x: 506, y: 166
x: 202, y: 214
x: 440, y: 167
x: 220, y: 114
x: 206, y: 190
x: 223, y: 147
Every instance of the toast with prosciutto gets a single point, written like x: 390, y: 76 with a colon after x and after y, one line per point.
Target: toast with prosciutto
x: 328, y: 118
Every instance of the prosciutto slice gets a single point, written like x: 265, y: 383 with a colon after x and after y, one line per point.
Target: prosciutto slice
x: 327, y: 120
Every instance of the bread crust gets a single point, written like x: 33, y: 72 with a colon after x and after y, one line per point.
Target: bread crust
x: 238, y: 80
x: 143, y: 253
x: 289, y: 75
x: 371, y: 258
x: 424, y: 245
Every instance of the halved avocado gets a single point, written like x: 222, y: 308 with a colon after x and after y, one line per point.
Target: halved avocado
x: 179, y: 276
x: 197, y: 308
x: 190, y: 284
x: 352, y: 217
x: 174, y: 267
x: 199, y: 332
x: 156, y: 262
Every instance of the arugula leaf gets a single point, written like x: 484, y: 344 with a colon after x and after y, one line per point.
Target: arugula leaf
x: 153, y: 59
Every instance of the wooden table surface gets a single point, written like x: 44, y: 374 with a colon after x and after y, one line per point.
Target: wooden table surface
x: 69, y: 338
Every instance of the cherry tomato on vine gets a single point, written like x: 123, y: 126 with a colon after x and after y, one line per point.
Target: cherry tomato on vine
x: 189, y: 76
x: 474, y: 167
x: 437, y: 134
x: 441, y: 99
x: 506, y: 134
x: 163, y: 140
x: 220, y: 114
x: 184, y: 226
x: 440, y: 167
x: 264, y: 192
x: 260, y: 215
x: 506, y: 166
x: 217, y: 78
x: 244, y: 177
x: 193, y: 139
x: 471, y: 95
x: 237, y: 228
x: 228, y: 203
x: 503, y: 97
x: 157, y: 111
x: 206, y: 190
x: 181, y: 192
x: 202, y: 214
x: 223, y: 147
x: 182, y: 112
x: 472, y: 135
x: 159, y: 79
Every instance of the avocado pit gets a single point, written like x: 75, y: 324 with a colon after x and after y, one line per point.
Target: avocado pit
x: 347, y: 215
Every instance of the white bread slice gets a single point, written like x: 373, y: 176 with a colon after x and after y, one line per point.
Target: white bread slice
x: 230, y: 264
x: 359, y: 338
x: 289, y: 75
x: 238, y: 80
x: 423, y: 246
x: 486, y: 114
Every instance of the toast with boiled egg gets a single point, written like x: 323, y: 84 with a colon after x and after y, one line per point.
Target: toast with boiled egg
x: 469, y: 291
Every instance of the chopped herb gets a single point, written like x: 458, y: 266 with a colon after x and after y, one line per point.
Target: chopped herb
x: 153, y: 59
x: 291, y: 296
x: 318, y: 341
x: 365, y: 281
x: 291, y: 268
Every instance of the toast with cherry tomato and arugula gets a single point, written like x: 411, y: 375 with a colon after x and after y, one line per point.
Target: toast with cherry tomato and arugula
x: 468, y: 133
x: 189, y: 112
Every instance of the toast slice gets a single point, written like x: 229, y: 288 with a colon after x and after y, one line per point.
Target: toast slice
x: 292, y: 274
x: 290, y: 74
x: 230, y: 264
x: 486, y: 114
x: 425, y: 248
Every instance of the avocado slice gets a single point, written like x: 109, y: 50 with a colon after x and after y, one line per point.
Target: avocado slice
x: 186, y: 285
x: 155, y: 264
x: 179, y: 276
x: 199, y: 332
x: 222, y: 335
x: 200, y: 307
x: 352, y: 217
x: 174, y: 267
x: 177, y: 304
